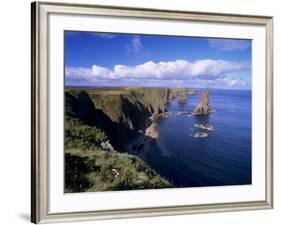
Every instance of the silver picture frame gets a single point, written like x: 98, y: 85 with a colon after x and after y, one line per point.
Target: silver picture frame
x: 40, y: 101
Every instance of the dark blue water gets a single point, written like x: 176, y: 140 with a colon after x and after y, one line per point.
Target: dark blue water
x: 222, y: 158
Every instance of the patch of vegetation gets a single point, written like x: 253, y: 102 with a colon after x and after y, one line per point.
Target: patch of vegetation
x: 81, y: 136
x: 75, y: 174
x: 89, y: 167
x: 110, y: 171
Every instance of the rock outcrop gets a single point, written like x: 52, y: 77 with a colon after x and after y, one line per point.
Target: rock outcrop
x: 152, y: 131
x: 203, y: 107
x: 200, y: 135
x: 173, y: 93
x: 208, y: 127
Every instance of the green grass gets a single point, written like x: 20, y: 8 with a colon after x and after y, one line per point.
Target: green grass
x: 81, y: 136
x: 93, y: 171
x: 89, y: 167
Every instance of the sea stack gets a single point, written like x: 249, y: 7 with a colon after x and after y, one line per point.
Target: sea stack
x: 203, y: 108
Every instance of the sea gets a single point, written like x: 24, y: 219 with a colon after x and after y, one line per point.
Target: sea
x: 224, y: 157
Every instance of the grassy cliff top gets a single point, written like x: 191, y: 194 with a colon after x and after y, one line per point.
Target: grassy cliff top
x: 104, y: 90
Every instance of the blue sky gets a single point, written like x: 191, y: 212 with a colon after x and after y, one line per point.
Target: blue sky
x: 106, y: 59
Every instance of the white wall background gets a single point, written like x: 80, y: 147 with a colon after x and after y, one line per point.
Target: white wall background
x: 15, y: 110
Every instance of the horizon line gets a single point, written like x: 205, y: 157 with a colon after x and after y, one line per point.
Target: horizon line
x: 128, y: 86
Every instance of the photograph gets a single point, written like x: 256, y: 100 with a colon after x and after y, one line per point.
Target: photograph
x: 143, y: 112
x: 146, y: 111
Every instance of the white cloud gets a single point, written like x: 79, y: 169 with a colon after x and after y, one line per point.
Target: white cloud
x: 97, y: 34
x: 236, y: 82
x: 229, y: 44
x: 78, y: 73
x: 221, y: 83
x: 104, y: 35
x: 179, y: 69
x: 135, y: 45
x: 205, y: 72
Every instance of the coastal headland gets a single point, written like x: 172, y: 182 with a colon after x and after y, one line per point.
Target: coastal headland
x: 113, y: 123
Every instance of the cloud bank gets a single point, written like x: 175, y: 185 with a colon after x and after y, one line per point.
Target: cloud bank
x: 205, y: 71
x: 229, y: 44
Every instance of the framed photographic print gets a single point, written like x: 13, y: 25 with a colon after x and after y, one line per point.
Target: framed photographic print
x: 146, y: 112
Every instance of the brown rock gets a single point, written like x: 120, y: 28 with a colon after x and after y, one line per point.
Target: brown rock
x: 152, y: 131
x: 203, y: 107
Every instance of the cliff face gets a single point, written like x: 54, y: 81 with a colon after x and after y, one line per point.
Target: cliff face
x: 176, y: 92
x: 121, y: 113
x: 203, y: 107
x: 131, y: 106
x: 80, y: 106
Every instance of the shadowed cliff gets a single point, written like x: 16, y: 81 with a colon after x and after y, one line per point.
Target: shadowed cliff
x: 120, y: 113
